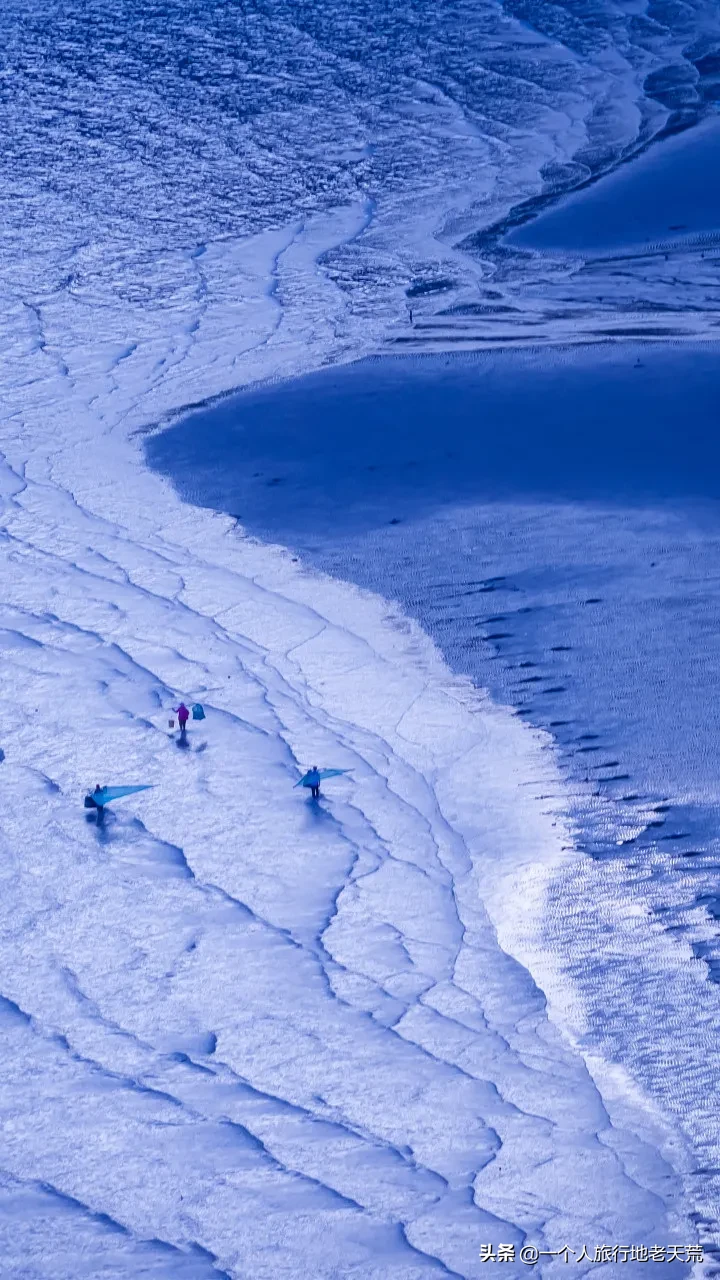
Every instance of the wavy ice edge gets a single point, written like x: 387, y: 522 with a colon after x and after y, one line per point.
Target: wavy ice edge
x: 229, y: 1002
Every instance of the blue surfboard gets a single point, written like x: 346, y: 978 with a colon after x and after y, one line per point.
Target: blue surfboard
x: 106, y: 794
x: 321, y: 773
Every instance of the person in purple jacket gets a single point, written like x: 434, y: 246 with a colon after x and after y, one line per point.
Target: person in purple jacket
x: 183, y: 716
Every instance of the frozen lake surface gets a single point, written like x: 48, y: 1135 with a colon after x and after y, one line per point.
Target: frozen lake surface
x: 249, y: 1035
x: 668, y: 195
x: 556, y: 531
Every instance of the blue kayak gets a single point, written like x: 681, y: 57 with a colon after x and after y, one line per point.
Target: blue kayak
x: 105, y: 794
x: 309, y: 779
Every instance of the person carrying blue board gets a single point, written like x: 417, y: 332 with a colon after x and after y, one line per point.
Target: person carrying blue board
x: 312, y: 780
x: 314, y: 777
x: 95, y: 799
x: 100, y: 796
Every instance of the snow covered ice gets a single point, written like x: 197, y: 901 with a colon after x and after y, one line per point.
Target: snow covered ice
x: 244, y: 1035
x: 239, y: 1024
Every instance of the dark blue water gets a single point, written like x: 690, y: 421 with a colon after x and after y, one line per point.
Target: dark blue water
x: 349, y: 449
x: 553, y: 521
x: 670, y: 194
x: 557, y: 510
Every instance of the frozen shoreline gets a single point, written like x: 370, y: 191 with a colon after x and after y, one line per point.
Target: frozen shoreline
x: 667, y: 196
x: 231, y: 1005
x: 225, y: 856
x: 121, y: 598
x: 494, y: 547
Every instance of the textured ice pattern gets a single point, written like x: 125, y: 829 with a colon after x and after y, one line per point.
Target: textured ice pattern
x: 558, y: 539
x: 243, y: 1036
x: 274, y: 178
x: 241, y: 1031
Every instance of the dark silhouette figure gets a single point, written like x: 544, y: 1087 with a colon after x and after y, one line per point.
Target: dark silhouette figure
x: 92, y: 801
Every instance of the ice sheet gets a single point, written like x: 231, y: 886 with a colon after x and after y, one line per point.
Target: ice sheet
x: 670, y: 194
x: 558, y: 539
x: 247, y: 1036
